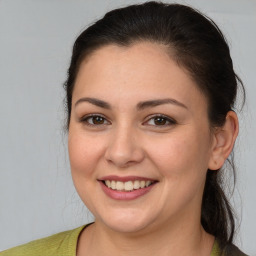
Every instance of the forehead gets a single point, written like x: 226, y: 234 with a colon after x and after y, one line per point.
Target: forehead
x: 141, y: 70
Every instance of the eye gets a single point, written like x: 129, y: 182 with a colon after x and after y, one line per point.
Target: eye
x: 94, y: 120
x: 160, y: 120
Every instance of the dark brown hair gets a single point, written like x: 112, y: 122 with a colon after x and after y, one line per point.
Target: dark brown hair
x: 196, y: 43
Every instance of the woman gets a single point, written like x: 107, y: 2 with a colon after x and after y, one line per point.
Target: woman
x: 150, y: 95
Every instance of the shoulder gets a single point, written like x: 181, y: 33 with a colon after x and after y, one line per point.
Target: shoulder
x: 61, y: 244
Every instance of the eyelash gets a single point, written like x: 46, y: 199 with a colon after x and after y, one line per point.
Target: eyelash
x: 164, y: 118
x: 91, y: 116
x: 167, y: 119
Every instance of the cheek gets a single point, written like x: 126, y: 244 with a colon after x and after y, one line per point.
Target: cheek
x: 182, y: 164
x: 84, y: 153
x: 182, y: 155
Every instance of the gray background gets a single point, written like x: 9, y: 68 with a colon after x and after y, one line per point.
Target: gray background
x: 37, y: 197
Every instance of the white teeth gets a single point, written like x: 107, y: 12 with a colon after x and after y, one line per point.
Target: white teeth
x: 128, y: 185
x: 113, y: 184
x: 136, y: 184
x: 148, y: 183
x: 119, y: 185
x: 142, y: 184
x: 108, y: 183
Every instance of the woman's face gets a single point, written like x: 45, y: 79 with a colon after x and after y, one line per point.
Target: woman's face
x: 139, y: 138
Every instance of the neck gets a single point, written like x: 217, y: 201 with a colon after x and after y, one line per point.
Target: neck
x: 187, y: 239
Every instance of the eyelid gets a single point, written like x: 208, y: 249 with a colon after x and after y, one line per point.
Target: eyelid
x: 170, y: 120
x: 84, y: 119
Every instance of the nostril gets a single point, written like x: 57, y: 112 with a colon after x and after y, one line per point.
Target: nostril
x: 123, y: 149
x: 123, y: 160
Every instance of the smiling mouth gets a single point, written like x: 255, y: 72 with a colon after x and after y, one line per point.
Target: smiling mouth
x: 128, y: 186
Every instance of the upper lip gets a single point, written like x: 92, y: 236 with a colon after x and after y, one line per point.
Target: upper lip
x: 124, y: 179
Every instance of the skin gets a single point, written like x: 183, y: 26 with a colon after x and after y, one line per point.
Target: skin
x: 129, y: 142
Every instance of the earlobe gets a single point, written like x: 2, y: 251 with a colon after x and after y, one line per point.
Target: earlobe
x: 223, y: 141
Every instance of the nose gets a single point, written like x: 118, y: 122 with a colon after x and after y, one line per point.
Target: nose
x: 124, y: 148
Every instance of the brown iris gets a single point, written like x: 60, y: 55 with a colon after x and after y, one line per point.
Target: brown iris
x: 98, y: 120
x: 160, y: 120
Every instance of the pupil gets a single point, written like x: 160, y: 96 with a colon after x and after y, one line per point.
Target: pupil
x: 98, y: 120
x: 160, y: 120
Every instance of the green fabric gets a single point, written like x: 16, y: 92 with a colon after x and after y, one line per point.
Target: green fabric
x: 215, y: 249
x: 61, y: 244
x: 64, y: 244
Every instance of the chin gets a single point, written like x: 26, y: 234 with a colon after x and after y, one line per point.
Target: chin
x: 126, y: 227
x: 127, y: 223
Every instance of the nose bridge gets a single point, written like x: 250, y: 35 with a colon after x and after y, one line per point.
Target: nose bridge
x: 124, y: 147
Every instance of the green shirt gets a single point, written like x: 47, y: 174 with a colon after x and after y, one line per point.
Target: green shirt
x: 64, y: 244
x: 61, y: 244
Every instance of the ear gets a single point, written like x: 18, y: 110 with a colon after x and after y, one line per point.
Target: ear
x: 223, y: 141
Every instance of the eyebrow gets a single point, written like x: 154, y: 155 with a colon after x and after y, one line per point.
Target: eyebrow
x: 96, y: 102
x: 140, y: 106
x: 157, y: 102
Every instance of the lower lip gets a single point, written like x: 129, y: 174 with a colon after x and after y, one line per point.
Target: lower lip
x: 125, y: 195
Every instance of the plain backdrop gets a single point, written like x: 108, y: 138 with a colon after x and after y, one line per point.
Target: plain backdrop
x: 37, y: 197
